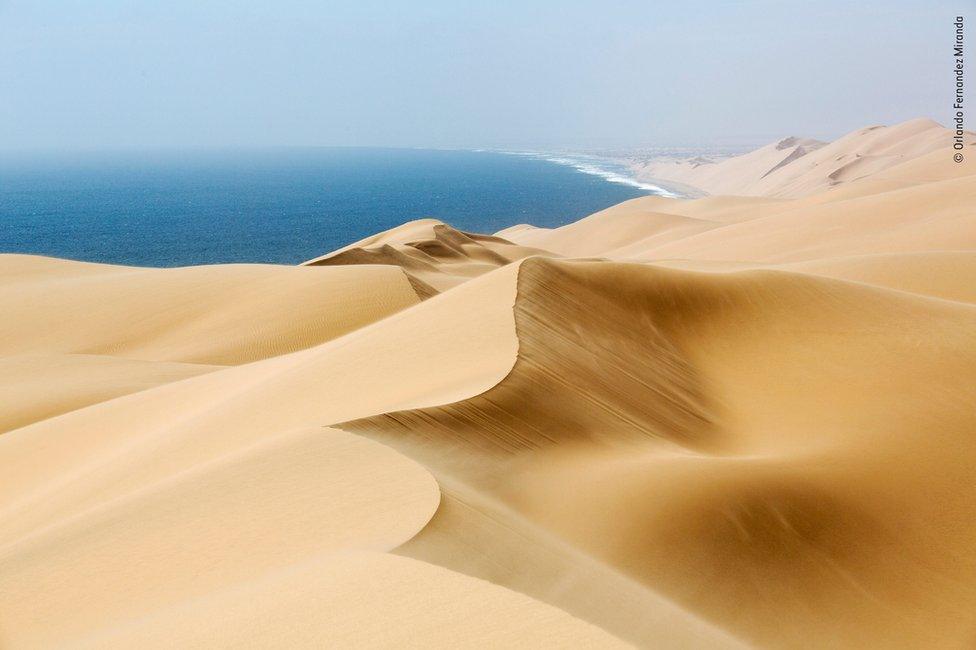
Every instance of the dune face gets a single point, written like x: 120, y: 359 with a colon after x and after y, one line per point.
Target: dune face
x: 704, y: 444
x: 734, y: 421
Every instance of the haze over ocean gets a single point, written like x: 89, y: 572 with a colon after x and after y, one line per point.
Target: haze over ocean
x: 277, y: 205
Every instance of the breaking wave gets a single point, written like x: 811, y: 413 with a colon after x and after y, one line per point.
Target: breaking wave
x: 608, y: 170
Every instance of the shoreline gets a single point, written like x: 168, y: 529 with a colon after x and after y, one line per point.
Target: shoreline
x: 613, y: 170
x: 280, y: 208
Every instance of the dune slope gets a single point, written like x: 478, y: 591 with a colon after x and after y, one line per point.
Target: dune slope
x: 224, y: 315
x: 332, y: 602
x: 36, y: 387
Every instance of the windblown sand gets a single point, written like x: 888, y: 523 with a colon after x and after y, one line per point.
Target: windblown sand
x: 725, y: 422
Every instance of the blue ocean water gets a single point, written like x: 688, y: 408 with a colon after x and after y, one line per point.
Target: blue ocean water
x: 282, y: 205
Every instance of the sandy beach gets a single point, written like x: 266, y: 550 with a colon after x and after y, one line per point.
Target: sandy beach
x: 742, y: 420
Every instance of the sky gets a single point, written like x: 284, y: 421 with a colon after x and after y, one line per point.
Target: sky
x: 93, y: 74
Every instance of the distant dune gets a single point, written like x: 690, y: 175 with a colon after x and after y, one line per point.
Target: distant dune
x: 794, y: 166
x: 740, y: 420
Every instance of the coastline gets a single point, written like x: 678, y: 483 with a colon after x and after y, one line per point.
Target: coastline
x: 611, y: 169
x: 275, y: 206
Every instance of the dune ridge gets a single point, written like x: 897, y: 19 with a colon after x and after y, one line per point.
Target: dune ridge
x: 432, y: 254
x: 724, y: 422
x: 629, y: 378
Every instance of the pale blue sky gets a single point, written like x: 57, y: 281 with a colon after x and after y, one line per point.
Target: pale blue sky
x: 449, y: 73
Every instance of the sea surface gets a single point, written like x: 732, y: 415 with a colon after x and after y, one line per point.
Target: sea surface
x: 282, y: 205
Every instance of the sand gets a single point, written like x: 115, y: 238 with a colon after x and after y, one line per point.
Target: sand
x: 724, y: 422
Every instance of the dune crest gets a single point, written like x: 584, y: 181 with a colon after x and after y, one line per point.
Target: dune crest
x: 590, y: 362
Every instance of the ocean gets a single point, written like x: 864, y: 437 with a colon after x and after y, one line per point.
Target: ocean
x: 283, y: 205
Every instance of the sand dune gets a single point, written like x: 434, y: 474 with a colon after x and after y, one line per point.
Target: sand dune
x: 942, y: 274
x: 732, y: 421
x: 467, y: 344
x: 257, y: 509
x: 462, y: 343
x: 224, y: 315
x: 680, y: 398
x: 76, y: 333
x: 37, y: 386
x: 736, y: 175
x: 856, y: 221
x: 319, y: 604
x: 897, y: 221
x: 621, y: 225
x: 795, y: 167
x: 432, y: 254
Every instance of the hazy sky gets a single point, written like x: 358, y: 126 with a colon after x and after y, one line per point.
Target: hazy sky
x: 113, y: 73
